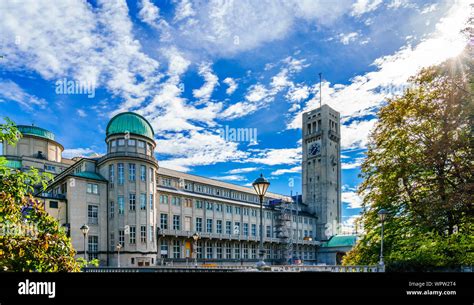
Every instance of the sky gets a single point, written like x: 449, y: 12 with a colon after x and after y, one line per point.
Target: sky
x: 196, y: 70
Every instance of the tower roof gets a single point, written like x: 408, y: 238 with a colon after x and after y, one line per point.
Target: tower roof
x: 130, y: 122
x: 36, y: 131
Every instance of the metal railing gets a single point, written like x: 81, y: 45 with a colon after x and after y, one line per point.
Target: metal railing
x: 127, y: 154
x: 230, y: 268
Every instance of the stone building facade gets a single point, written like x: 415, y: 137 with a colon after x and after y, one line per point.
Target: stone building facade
x: 126, y: 198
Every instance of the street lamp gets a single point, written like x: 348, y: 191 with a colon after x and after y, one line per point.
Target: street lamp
x: 196, y: 236
x: 382, y: 215
x: 119, y: 246
x: 261, y: 185
x: 85, y: 230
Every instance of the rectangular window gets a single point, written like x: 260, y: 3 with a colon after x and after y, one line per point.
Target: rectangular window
x: 131, y: 142
x: 93, y: 214
x: 254, y: 251
x: 164, y: 221
x: 176, y: 222
x: 246, y: 211
x: 112, y: 209
x: 209, y: 252
x: 219, y: 250
x: 121, y: 142
x: 164, y: 248
x: 142, y: 201
x: 163, y: 199
x: 93, y: 251
x: 92, y: 188
x: 151, y: 174
x: 199, y: 249
x: 111, y: 174
x: 120, y: 173
x: 113, y: 143
x: 150, y: 233
x: 228, y: 227
x: 198, y: 204
x: 141, y: 144
x: 142, y: 172
x: 198, y: 224
x: 254, y: 229
x: 176, y: 249
x: 122, y: 238
x: 228, y: 252
x: 176, y: 201
x: 131, y: 201
x: 237, y: 251
x: 143, y: 234
x: 269, y: 231
x: 238, y: 211
x: 254, y: 212
x: 246, y: 229
x: 131, y: 172
x: 151, y: 201
x: 209, y: 225
x: 228, y: 209
x: 121, y: 207
x: 209, y: 206
x: 188, y: 203
x: 133, y: 233
x: 53, y: 204
x: 245, y: 249
x: 219, y: 226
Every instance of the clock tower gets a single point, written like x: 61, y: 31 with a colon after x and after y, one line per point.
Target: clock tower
x: 322, y: 168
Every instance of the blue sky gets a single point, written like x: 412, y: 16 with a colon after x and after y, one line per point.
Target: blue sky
x: 193, y: 68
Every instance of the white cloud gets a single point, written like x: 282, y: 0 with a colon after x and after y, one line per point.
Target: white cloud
x: 229, y: 27
x: 243, y: 170
x: 298, y: 93
x: 230, y: 178
x: 92, y: 45
x: 211, y: 81
x: 283, y: 171
x: 364, y: 6
x: 355, y: 135
x: 352, y: 199
x: 365, y: 92
x: 197, y: 148
x: 429, y: 8
x: 11, y: 91
x: 276, y: 156
x: 81, y: 113
x: 348, y: 38
x: 232, y: 85
x: 351, y: 165
x: 78, y: 152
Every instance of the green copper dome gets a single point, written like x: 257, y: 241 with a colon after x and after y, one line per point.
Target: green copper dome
x: 130, y: 122
x: 36, y: 131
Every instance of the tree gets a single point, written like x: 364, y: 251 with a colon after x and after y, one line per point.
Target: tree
x: 30, y: 239
x: 419, y: 168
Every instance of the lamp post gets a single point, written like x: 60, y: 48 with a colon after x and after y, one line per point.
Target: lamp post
x: 382, y: 215
x: 85, y: 230
x: 196, y: 237
x: 261, y: 185
x: 119, y: 246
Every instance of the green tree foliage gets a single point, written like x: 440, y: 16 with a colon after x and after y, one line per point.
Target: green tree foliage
x: 419, y: 167
x: 30, y: 239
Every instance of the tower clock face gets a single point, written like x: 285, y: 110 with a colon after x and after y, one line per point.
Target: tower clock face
x: 314, y: 148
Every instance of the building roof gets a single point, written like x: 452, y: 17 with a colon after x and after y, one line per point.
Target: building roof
x: 217, y: 183
x: 89, y: 175
x: 36, y: 131
x: 130, y: 122
x: 341, y: 241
